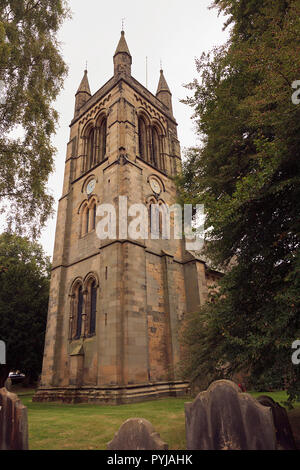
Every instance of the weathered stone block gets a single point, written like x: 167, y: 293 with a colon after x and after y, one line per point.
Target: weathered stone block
x: 224, y: 418
x: 137, y: 434
x: 8, y: 384
x: 284, y: 435
x: 13, y: 422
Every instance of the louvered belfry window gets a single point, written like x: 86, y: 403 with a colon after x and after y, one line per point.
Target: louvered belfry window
x: 79, y: 312
x: 93, y: 304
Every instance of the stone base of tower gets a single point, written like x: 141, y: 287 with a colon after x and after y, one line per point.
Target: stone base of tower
x: 113, y: 395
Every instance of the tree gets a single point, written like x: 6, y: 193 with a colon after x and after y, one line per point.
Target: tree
x: 32, y: 71
x: 24, y: 294
x: 247, y: 174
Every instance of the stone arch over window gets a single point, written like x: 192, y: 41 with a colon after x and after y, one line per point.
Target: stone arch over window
x: 158, y: 219
x: 93, y: 214
x: 164, y: 220
x: 88, y: 148
x: 153, y: 228
x: 88, y: 214
x: 94, y: 137
x: 76, y: 309
x: 86, y: 219
x: 151, y: 135
x: 91, y: 147
x: 143, y: 151
x: 101, y: 131
x: 157, y: 145
x: 143, y: 134
x: 155, y: 141
x: 91, y: 285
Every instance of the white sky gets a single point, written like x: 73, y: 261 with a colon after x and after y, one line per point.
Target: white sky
x: 172, y: 31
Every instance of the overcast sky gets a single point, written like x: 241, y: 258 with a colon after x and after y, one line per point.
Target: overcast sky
x: 172, y: 31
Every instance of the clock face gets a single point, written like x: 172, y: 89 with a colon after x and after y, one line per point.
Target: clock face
x: 155, y: 186
x: 91, y: 186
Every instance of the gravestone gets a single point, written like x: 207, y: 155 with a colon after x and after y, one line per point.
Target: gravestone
x: 13, y: 422
x: 137, y: 434
x: 224, y: 418
x: 8, y: 384
x: 284, y: 434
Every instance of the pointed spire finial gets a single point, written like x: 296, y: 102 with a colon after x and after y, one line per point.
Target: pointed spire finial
x: 84, y: 86
x: 122, y: 58
x: 123, y: 21
x: 122, y: 46
x: 162, y: 85
x: 83, y: 93
x: 163, y: 91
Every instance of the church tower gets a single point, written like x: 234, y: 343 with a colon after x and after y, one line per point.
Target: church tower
x: 116, y: 303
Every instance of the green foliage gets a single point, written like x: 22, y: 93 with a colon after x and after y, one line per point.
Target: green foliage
x: 24, y: 294
x: 247, y: 174
x: 31, y: 75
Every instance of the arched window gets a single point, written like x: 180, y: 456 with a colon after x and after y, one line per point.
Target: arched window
x: 159, y: 219
x: 142, y: 138
x: 102, y: 139
x: 155, y: 147
x: 95, y: 144
x: 94, y: 212
x: 78, y: 311
x: 153, y: 220
x: 83, y: 301
x: 93, y: 306
x: 164, y: 221
x: 86, y: 220
x: 90, y: 149
x: 88, y: 214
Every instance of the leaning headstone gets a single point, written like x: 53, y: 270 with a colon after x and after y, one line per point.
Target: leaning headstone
x: 284, y: 434
x: 224, y: 418
x: 13, y: 422
x: 137, y: 434
x: 8, y: 384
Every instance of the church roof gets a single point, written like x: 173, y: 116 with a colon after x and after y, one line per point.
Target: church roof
x: 162, y: 85
x: 122, y: 46
x: 84, y: 86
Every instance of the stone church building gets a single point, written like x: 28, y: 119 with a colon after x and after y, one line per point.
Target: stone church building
x: 116, y: 304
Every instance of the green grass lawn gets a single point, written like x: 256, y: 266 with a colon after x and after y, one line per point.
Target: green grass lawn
x: 83, y: 426
x: 54, y: 426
